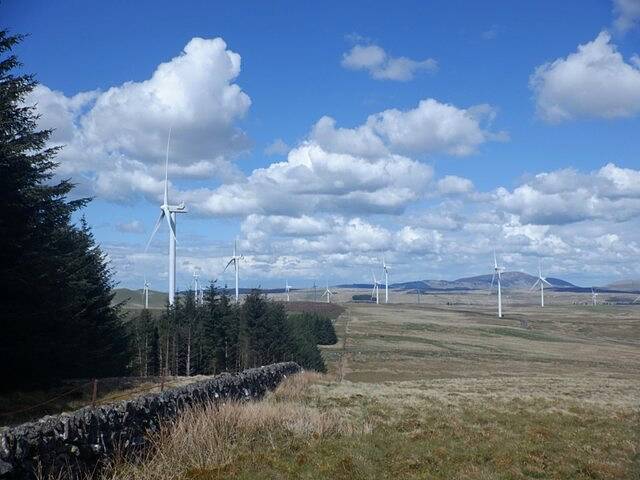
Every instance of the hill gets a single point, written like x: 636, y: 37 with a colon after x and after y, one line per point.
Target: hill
x: 515, y: 280
x: 629, y: 285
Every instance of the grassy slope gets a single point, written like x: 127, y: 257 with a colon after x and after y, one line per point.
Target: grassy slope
x: 435, y: 392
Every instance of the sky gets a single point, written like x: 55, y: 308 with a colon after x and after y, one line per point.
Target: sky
x: 327, y: 136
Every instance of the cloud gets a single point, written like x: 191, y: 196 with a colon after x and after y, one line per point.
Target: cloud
x: 491, y: 33
x: 453, y: 185
x: 594, y: 82
x: 313, y: 179
x: 277, y: 147
x: 598, y: 239
x: 627, y: 14
x: 568, y: 196
x: 431, y: 127
x: 382, y: 66
x: 436, y: 127
x: 120, y: 133
x: 134, y: 226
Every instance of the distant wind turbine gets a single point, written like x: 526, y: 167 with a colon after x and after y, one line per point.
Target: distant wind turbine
x: 637, y: 298
x: 375, y: 293
x: 145, y: 294
x: 594, y: 297
x: 385, y: 269
x: 497, y: 272
x: 315, y: 291
x: 236, y: 265
x: 196, y: 288
x: 169, y: 213
x: 541, y: 280
x: 287, y: 288
x: 328, y: 293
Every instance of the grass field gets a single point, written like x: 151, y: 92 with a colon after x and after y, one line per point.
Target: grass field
x: 434, y: 391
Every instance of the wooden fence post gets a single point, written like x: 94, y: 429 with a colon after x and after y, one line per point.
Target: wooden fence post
x: 94, y: 394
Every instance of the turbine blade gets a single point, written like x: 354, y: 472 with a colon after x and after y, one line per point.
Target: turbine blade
x: 167, y: 216
x: 545, y: 281
x: 155, y: 229
x: 493, y: 279
x: 166, y: 171
x: 534, y: 285
x: 230, y: 262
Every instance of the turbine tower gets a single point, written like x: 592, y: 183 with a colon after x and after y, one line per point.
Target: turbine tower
x: 541, y: 280
x: 328, y: 293
x: 287, y: 288
x: 594, y: 297
x: 497, y: 272
x: 145, y: 294
x: 236, y: 266
x: 196, y: 288
x: 385, y: 269
x: 375, y: 293
x: 169, y: 213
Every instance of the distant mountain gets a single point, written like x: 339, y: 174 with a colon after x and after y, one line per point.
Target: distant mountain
x: 516, y: 280
x: 625, y: 285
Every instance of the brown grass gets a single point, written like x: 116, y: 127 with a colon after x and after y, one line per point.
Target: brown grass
x: 312, y: 428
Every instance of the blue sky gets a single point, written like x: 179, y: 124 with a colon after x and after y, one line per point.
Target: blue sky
x: 466, y: 165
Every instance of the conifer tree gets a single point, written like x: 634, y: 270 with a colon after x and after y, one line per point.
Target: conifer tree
x: 57, y: 318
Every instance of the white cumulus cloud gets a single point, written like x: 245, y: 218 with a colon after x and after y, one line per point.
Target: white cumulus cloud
x: 115, y: 139
x: 593, y: 82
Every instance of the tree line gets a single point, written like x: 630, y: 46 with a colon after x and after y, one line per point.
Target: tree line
x: 222, y: 336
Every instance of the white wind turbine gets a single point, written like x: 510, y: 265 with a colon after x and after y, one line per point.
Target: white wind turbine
x: 145, y: 294
x: 594, y: 297
x: 196, y: 288
x: 236, y: 266
x: 287, y: 288
x: 375, y: 293
x: 541, y: 280
x: 385, y: 269
x: 497, y: 272
x: 328, y: 293
x: 169, y: 213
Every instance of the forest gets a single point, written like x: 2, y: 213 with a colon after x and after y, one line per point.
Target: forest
x: 222, y: 336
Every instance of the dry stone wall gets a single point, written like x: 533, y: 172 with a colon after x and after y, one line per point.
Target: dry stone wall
x: 79, y: 440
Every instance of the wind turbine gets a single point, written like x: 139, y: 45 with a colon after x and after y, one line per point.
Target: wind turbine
x: 497, y: 272
x: 315, y: 291
x: 376, y: 288
x: 287, y: 287
x: 328, y: 293
x: 637, y: 298
x: 196, y: 287
x: 169, y: 213
x: 594, y: 297
x: 385, y: 269
x: 236, y: 265
x: 145, y: 294
x: 541, y: 280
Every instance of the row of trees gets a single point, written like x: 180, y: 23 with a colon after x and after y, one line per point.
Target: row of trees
x: 188, y: 339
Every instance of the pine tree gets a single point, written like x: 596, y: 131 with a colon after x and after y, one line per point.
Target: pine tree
x: 57, y: 318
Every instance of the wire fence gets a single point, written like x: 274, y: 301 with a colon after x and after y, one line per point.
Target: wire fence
x: 94, y: 400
